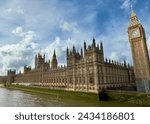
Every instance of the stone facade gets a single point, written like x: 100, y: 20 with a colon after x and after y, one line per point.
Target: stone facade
x: 86, y: 71
x: 140, y: 55
x: 138, y: 44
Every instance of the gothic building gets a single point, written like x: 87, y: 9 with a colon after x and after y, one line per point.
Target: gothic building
x: 88, y: 71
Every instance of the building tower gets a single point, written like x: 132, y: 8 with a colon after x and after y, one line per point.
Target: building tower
x: 54, y: 61
x: 39, y: 61
x: 140, y: 55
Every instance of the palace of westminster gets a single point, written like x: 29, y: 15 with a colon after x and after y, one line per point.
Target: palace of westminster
x: 87, y: 70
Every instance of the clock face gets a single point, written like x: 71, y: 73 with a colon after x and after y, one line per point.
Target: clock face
x: 134, y: 33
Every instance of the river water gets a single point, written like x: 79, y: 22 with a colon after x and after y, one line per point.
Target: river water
x: 17, y: 98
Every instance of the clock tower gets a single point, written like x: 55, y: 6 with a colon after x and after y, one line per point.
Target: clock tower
x: 139, y: 51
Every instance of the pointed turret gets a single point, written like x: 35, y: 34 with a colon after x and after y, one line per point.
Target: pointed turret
x: 67, y: 52
x: 54, y: 55
x: 101, y: 45
x: 133, y: 15
x: 106, y: 59
x: 132, y: 12
x: 54, y: 61
x: 125, y: 64
x: 133, y: 18
x: 84, y: 45
x: 44, y: 57
x: 74, y: 50
x: 94, y: 44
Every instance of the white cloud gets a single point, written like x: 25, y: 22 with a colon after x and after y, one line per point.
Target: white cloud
x: 46, y: 24
x: 60, y: 47
x: 127, y: 4
x: 27, y: 37
x: 117, y: 56
x: 70, y: 27
x: 9, y: 10
x: 17, y: 10
x: 15, y: 56
x: 18, y: 31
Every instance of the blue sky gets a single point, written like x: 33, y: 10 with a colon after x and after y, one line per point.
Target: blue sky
x: 30, y: 26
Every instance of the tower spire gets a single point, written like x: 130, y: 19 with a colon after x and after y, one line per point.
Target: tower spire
x: 94, y: 44
x: 67, y: 51
x: 54, y: 55
x: 133, y: 14
x: 133, y: 18
x: 54, y: 61
x: 74, y: 49
x: 84, y: 45
x: 101, y: 45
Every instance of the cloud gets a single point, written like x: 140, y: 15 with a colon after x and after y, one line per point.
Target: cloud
x: 18, y: 31
x: 17, y: 10
x: 15, y: 56
x: 117, y: 56
x: 60, y: 47
x: 70, y: 27
x: 55, y: 28
x: 126, y: 4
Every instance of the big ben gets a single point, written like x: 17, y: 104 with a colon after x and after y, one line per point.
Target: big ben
x: 139, y: 51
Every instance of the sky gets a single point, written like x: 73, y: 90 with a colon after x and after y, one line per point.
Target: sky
x: 31, y: 26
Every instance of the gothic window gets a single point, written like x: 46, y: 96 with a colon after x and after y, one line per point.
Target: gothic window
x: 80, y: 70
x: 90, y: 58
x: 90, y: 70
x: 91, y: 80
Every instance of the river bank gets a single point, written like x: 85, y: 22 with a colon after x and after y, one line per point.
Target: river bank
x: 139, y: 99
x: 90, y: 99
x: 62, y: 93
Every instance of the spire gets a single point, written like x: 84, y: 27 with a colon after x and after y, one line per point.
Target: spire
x: 67, y: 51
x: 101, y: 45
x: 36, y: 56
x: 94, y: 44
x: 132, y: 12
x: 84, y: 45
x: 133, y: 16
x: 74, y: 50
x: 54, y: 61
x: 125, y: 64
x: 54, y: 55
x: 44, y: 57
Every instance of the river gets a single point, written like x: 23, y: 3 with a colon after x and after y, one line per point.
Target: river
x: 18, y: 98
